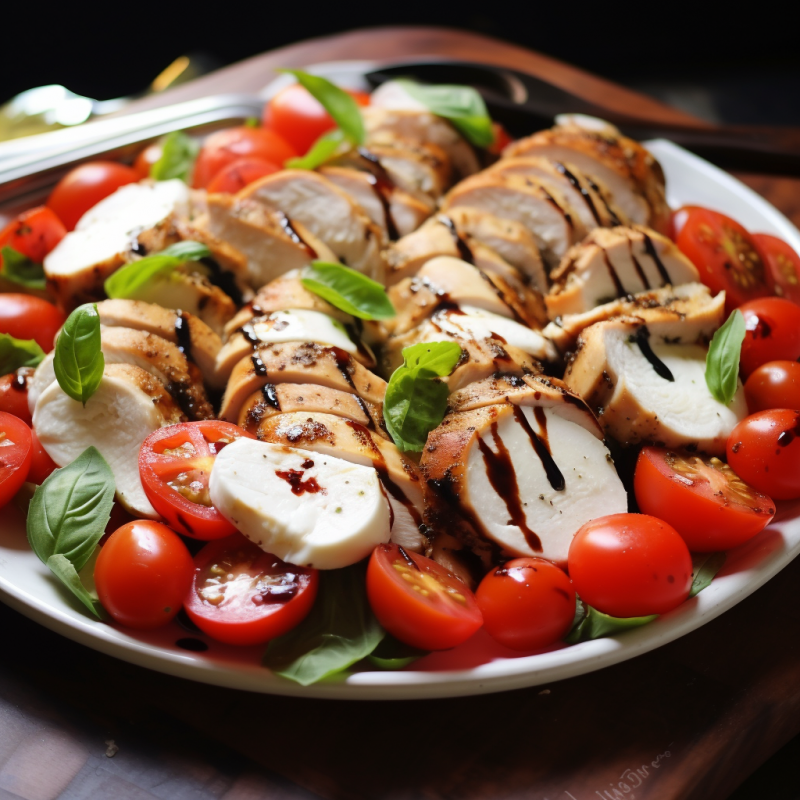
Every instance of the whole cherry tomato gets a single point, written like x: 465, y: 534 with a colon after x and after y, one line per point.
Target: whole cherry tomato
x: 775, y: 384
x: 34, y: 233
x: 42, y: 466
x: 146, y: 158
x: 240, y: 173
x: 773, y: 332
x: 27, y: 317
x: 15, y: 445
x: 14, y: 394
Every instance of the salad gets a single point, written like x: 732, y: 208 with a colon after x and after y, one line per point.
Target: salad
x: 364, y: 376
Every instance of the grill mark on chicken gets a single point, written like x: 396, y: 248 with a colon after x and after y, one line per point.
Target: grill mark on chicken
x: 541, y: 445
x: 183, y: 335
x: 614, y: 219
x: 651, y: 251
x: 620, y: 289
x: 223, y: 279
x: 290, y: 231
x: 553, y: 202
x: 464, y: 251
x: 637, y: 266
x: 581, y: 188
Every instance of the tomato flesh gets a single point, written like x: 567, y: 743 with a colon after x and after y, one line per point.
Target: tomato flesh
x: 146, y: 158
x: 42, y: 466
x: 773, y: 332
x: 142, y: 574
x: 630, y: 565
x: 240, y: 173
x: 706, y: 502
x: 15, y: 455
x: 527, y: 603
x: 418, y: 601
x: 783, y: 265
x: 27, y: 317
x: 775, y: 384
x: 14, y: 394
x: 175, y: 464
x: 34, y: 233
x: 242, y: 595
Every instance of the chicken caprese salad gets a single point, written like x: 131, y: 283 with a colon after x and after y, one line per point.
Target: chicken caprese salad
x: 364, y: 376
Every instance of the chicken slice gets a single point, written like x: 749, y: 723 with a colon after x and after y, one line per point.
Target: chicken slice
x: 332, y: 435
x: 646, y: 390
x: 614, y: 262
x: 128, y: 406
x: 327, y: 212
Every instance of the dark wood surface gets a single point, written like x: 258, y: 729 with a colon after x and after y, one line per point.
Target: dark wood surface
x: 689, y: 721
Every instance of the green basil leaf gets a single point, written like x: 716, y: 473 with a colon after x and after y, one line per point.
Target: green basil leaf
x: 78, y: 360
x: 16, y: 353
x: 63, y: 569
x: 722, y: 361
x: 461, y: 105
x: 416, y: 399
x: 69, y: 511
x: 19, y: 269
x: 340, y: 630
x: 328, y: 146
x: 392, y: 654
x: 348, y: 290
x: 130, y: 279
x: 252, y: 122
x: 593, y: 624
x: 337, y: 102
x: 704, y: 567
x: 178, y: 154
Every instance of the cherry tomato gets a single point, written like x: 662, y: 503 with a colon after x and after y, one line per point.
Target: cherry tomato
x: 299, y: 118
x: 630, y: 565
x: 527, y: 603
x: 775, y: 384
x: 242, y: 595
x: 146, y: 158
x: 240, y: 173
x: 783, y: 265
x: 709, y: 505
x: 15, y: 455
x: 724, y: 254
x: 502, y: 138
x: 28, y: 317
x: 34, y: 233
x: 14, y: 394
x: 175, y: 463
x: 85, y: 186
x: 773, y: 332
x: 229, y: 145
x: 764, y: 449
x: 418, y: 601
x: 142, y: 574
x: 42, y: 466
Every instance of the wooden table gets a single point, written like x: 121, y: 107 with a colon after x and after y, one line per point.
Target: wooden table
x: 690, y: 720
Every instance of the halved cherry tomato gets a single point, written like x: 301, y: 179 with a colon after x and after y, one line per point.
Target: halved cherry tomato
x: 299, y: 118
x: 527, y: 603
x: 773, y: 332
x: 175, y: 464
x: 85, y: 186
x: 142, y: 574
x: 418, y: 601
x: 42, y: 466
x: 242, y: 595
x: 146, y: 158
x: 28, y: 317
x: 34, y: 233
x: 14, y: 394
x: 709, y: 505
x: 677, y: 219
x: 15, y: 455
x: 229, y: 145
x: 630, y: 565
x: 764, y: 449
x: 775, y: 384
x: 783, y: 265
x: 725, y: 255
x: 240, y: 173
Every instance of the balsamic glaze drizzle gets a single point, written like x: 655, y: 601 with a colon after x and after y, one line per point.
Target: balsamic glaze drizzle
x: 642, y: 338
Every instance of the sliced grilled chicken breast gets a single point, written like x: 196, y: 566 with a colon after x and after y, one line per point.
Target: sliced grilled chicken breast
x: 327, y: 212
x: 649, y: 391
x: 331, y: 435
x: 127, y: 407
x: 105, y: 236
x: 614, y: 262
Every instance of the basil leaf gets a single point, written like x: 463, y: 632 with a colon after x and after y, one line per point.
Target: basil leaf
x: 392, y: 654
x: 63, y: 569
x: 130, y: 279
x: 461, y: 105
x: 16, y: 353
x: 593, y: 624
x: 78, y: 359
x: 704, y: 567
x: 19, y: 269
x: 337, y: 102
x: 416, y: 400
x: 69, y: 511
x: 722, y: 361
x: 178, y: 154
x: 340, y: 630
x: 348, y: 290
x: 324, y: 149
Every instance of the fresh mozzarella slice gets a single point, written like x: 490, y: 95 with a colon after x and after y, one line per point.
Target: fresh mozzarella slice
x: 126, y: 408
x: 307, y: 509
x: 394, y: 95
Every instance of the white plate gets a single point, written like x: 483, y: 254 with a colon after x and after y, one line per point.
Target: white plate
x: 479, y: 665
